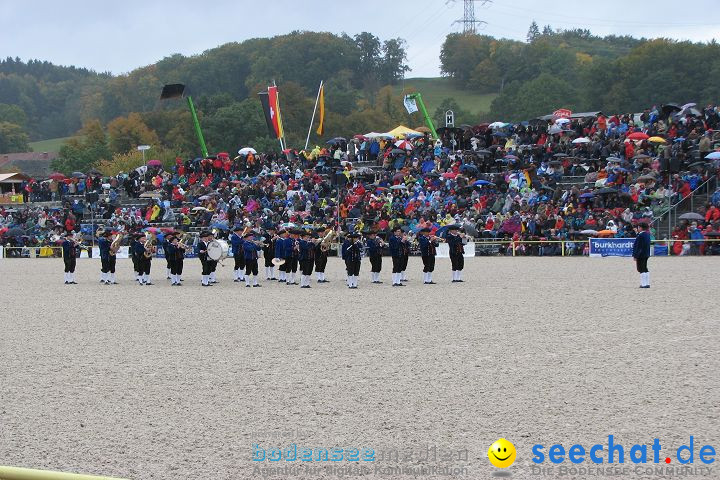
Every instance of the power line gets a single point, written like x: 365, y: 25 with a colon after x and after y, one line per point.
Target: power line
x: 469, y: 22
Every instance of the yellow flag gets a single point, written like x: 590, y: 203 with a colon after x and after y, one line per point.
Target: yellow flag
x: 321, y: 103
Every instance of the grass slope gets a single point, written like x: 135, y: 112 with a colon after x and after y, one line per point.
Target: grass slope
x: 435, y: 90
x: 50, y: 145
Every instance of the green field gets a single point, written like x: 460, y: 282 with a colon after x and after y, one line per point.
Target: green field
x: 435, y: 90
x: 51, y: 145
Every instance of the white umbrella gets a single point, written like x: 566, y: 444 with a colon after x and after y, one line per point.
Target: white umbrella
x: 713, y: 156
x: 398, y: 187
x: 555, y: 129
x: 246, y: 150
x: 562, y: 121
x: 497, y: 125
x: 581, y: 140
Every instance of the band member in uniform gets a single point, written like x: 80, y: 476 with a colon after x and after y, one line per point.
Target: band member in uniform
x: 352, y: 254
x: 428, y: 250
x: 374, y: 253
x: 250, y: 251
x: 306, y: 258
x: 135, y: 260
x: 292, y: 250
x: 397, y: 253
x: 321, y: 257
x: 202, y: 246
x: 212, y: 263
x: 405, y: 244
x: 269, y: 252
x: 168, y: 260
x: 108, y: 259
x: 456, y: 244
x: 280, y: 253
x: 236, y: 246
x: 145, y: 262
x: 176, y: 253
x: 70, y: 252
x: 641, y: 253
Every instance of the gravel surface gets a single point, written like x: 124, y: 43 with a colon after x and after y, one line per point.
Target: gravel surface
x: 179, y: 383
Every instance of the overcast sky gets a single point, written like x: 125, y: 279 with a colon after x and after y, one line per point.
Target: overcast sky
x: 119, y: 36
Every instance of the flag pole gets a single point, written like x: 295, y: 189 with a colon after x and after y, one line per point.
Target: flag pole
x: 317, y: 99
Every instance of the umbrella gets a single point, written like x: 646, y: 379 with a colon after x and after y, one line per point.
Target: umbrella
x: 555, y: 129
x: 581, y: 140
x: 397, y: 151
x: 638, y: 136
x: 696, y: 164
x: 94, y: 171
x: 562, y: 121
x: 668, y: 108
x: 154, y: 163
x: 57, y: 176
x: 713, y: 156
x: 589, y: 232
x: 510, y: 157
x: 691, y: 216
x: 360, y: 137
x: 479, y: 183
x: 404, y: 144
x: 484, y: 152
x: 657, y: 140
x: 606, y: 191
x: 587, y: 195
x: 398, y: 187
x: 606, y: 233
x: 449, y: 175
x: 496, y: 125
x: 646, y: 178
x: 336, y: 141
x: 468, y: 168
x: 423, y: 129
x: 614, y: 159
x: 150, y: 195
x: 197, y: 209
x: 642, y: 156
x: 247, y: 150
x: 78, y: 175
x: 560, y: 155
x: 679, y: 139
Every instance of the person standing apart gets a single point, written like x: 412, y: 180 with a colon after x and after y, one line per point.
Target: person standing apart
x: 70, y: 253
x: 269, y: 252
x: 428, y: 250
x: 282, y: 255
x: 456, y: 245
x: 321, y: 257
x: 641, y: 253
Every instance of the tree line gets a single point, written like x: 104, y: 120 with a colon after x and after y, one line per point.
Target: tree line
x: 577, y: 70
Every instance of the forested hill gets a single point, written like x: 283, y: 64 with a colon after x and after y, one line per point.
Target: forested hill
x: 580, y: 71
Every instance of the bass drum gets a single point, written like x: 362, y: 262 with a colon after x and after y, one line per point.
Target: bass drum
x: 217, y: 250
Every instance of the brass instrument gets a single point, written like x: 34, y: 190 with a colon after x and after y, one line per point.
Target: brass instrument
x: 183, y: 242
x: 150, y: 246
x: 328, y: 240
x: 115, y: 245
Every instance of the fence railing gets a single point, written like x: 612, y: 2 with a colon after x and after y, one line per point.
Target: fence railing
x: 672, y: 211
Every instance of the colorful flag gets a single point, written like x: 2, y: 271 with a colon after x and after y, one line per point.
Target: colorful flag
x: 265, y: 102
x: 274, y: 100
x: 321, y: 103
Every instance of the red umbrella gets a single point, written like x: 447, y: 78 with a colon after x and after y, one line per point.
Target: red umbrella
x: 404, y: 144
x: 154, y: 163
x: 57, y: 176
x: 449, y: 175
x: 638, y: 136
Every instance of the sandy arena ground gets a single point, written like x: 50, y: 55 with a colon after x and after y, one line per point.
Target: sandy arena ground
x: 179, y: 383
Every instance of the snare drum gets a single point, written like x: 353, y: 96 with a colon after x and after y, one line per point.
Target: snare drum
x: 217, y: 250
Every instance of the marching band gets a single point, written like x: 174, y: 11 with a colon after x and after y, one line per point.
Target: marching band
x: 289, y: 249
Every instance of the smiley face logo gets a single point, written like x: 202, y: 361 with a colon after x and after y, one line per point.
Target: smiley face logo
x: 502, y: 453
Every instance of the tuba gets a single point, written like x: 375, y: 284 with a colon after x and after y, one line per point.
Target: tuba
x: 327, y: 240
x: 115, y: 245
x: 149, y: 246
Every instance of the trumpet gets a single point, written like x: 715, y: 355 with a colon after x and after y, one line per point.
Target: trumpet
x: 327, y: 240
x: 182, y: 243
